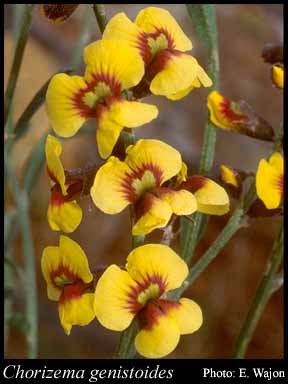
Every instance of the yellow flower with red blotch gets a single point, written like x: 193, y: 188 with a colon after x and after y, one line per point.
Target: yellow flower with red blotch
x: 238, y: 117
x: 111, y: 68
x: 161, y: 43
x: 144, y: 180
x: 152, y: 270
x: 278, y: 75
x: 69, y: 282
x: 270, y: 181
x: 64, y: 213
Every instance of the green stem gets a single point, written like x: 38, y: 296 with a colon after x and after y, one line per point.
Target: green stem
x: 261, y: 298
x: 99, y: 11
x: 15, y: 68
x: 22, y: 202
x: 84, y: 35
x: 204, y: 17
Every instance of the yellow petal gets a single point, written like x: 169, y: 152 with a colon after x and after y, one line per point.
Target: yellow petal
x: 121, y: 113
x: 159, y: 339
x: 132, y: 114
x: 152, y: 19
x: 276, y: 161
x: 201, y: 79
x: 73, y: 257
x: 229, y: 176
x: 53, y: 150
x: 107, y: 134
x: 65, y: 217
x: 120, y: 27
x: 278, y: 76
x: 269, y: 181
x: 159, y: 260
x: 111, y: 299
x: 211, y: 198
x: 162, y: 157
x: 50, y: 262
x: 77, y: 311
x: 157, y: 215
x: 65, y: 117
x: 182, y: 175
x: 108, y: 192
x: 182, y: 202
x: 113, y: 59
x: 176, y: 74
x: 187, y: 315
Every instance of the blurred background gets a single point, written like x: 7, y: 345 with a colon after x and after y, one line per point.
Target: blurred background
x: 227, y: 286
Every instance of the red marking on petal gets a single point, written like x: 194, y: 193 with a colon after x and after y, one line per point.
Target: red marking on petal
x: 143, y: 204
x: 77, y: 99
x: 227, y: 111
x: 57, y: 198
x: 149, y: 316
x: 60, y: 271
x: 127, y: 188
x: 51, y: 175
x: 159, y: 63
x: 280, y: 184
x: 143, y: 47
x: 133, y: 304
x: 193, y: 183
x: 74, y: 291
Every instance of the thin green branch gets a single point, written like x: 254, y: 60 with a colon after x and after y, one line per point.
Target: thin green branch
x: 15, y: 68
x: 99, y: 11
x: 204, y: 18
x: 85, y: 33
x: 21, y: 199
x: 263, y: 294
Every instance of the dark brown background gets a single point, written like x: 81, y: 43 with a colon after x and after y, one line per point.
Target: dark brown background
x: 225, y: 289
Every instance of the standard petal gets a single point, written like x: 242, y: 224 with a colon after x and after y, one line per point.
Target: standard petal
x: 157, y: 214
x: 110, y: 61
x: 120, y: 27
x: 132, y: 114
x: 162, y: 159
x: 182, y: 202
x: 77, y: 311
x: 108, y: 191
x: 112, y: 299
x: 53, y: 150
x: 157, y: 260
x: 73, y: 257
x: 159, y: 337
x: 176, y: 73
x: 65, y: 217
x: 187, y: 314
x: 65, y: 116
x: 269, y: 181
x: 153, y: 19
x: 211, y: 198
x: 50, y: 262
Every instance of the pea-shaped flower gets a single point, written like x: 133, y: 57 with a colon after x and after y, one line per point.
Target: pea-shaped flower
x: 161, y: 43
x: 69, y: 282
x: 64, y: 213
x: 146, y: 179
x: 152, y: 270
x: 111, y: 68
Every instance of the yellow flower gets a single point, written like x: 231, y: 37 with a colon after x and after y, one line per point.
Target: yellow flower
x: 270, y: 181
x: 69, y: 282
x: 64, y: 213
x: 278, y: 75
x: 111, y: 68
x: 139, y: 180
x: 238, y: 117
x: 161, y: 43
x: 152, y: 270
